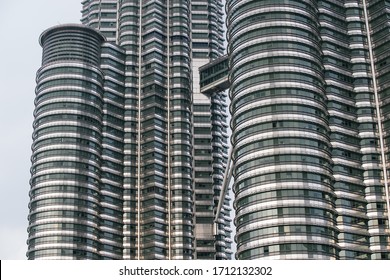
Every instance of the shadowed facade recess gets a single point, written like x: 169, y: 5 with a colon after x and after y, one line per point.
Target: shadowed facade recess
x: 128, y: 154
x: 310, y: 128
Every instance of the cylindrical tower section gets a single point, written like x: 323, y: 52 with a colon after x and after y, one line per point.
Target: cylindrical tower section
x: 64, y: 205
x: 284, y: 199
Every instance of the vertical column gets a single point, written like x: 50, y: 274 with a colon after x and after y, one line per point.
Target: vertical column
x: 152, y: 157
x: 112, y: 225
x: 201, y: 105
x: 180, y: 131
x: 129, y: 37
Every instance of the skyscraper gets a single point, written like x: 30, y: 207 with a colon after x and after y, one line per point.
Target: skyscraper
x: 310, y: 128
x: 128, y: 154
x: 130, y: 135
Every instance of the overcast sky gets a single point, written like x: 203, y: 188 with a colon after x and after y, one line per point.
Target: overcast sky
x: 21, y: 23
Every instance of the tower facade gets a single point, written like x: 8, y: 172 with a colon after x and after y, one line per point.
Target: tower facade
x: 116, y: 172
x: 309, y: 120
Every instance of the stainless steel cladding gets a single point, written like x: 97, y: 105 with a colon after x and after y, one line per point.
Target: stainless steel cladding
x: 309, y: 90
x: 66, y: 175
x: 284, y: 195
x: 119, y: 105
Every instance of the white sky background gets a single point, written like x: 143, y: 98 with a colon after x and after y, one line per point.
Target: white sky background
x: 21, y: 23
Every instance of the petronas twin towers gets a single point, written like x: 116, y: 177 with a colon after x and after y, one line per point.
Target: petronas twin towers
x: 131, y: 154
